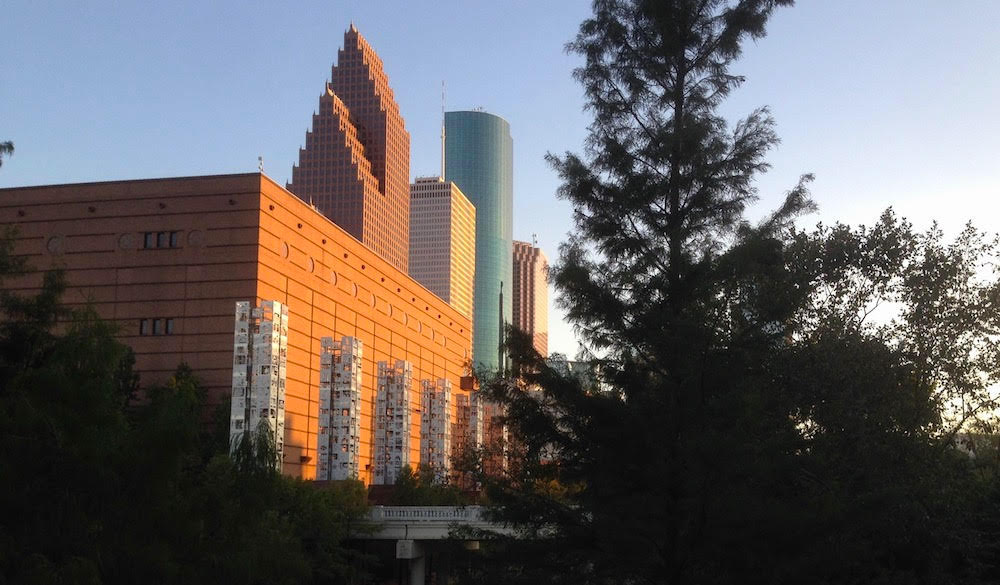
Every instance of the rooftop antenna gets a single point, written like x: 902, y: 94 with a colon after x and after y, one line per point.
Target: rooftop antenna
x: 534, y: 240
x: 442, y: 129
x: 260, y: 164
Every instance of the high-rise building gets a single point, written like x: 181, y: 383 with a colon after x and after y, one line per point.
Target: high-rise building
x: 478, y: 158
x: 443, y: 241
x: 531, y: 294
x: 355, y: 167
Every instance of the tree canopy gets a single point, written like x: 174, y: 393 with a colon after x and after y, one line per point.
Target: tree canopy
x: 774, y: 405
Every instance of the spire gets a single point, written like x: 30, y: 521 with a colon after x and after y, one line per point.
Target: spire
x: 442, y: 130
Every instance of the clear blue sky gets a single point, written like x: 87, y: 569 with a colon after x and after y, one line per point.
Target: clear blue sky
x: 888, y: 102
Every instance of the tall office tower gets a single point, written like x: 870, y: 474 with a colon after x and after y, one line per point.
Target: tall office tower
x: 260, y: 347
x: 435, y: 427
x: 443, y: 241
x: 531, y: 294
x: 339, y: 438
x: 478, y: 158
x: 392, y: 421
x: 355, y: 167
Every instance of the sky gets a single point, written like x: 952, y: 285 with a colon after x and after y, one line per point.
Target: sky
x: 888, y: 103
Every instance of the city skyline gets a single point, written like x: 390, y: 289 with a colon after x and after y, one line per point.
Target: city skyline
x: 874, y: 135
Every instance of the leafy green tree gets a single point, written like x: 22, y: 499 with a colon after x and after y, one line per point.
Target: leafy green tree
x: 752, y: 423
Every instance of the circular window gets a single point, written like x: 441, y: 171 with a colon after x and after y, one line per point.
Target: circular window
x: 55, y: 245
x: 126, y: 242
x: 196, y: 237
x: 333, y: 277
x: 354, y: 292
x: 312, y: 266
x: 284, y: 250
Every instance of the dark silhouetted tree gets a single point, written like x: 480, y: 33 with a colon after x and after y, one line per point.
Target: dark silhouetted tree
x: 6, y: 149
x: 751, y: 423
x: 96, y: 487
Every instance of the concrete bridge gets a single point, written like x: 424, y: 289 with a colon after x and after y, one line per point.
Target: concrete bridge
x: 416, y: 528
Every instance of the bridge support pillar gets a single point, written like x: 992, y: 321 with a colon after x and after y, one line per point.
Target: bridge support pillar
x: 414, y: 552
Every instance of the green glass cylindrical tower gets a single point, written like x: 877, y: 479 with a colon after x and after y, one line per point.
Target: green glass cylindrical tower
x: 479, y: 159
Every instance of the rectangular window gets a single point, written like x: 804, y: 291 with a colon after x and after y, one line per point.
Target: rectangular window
x: 161, y: 239
x: 143, y: 326
x: 157, y: 326
x: 170, y: 327
x: 174, y: 237
x: 148, y: 240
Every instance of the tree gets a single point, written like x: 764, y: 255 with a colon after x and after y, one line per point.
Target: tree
x: 422, y: 488
x: 96, y: 487
x: 747, y: 428
x: 6, y: 149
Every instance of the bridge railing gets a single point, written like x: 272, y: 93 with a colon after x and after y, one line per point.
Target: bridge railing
x: 435, y: 514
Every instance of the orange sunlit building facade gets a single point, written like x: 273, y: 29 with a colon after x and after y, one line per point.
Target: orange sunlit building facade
x: 167, y: 259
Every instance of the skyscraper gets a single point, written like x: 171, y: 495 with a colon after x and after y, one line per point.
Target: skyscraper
x: 531, y: 294
x: 478, y: 158
x: 443, y: 241
x: 355, y: 167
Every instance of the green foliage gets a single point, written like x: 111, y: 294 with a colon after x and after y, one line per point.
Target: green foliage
x: 423, y: 489
x: 97, y: 486
x: 773, y: 406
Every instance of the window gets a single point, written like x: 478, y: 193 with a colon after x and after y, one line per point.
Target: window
x: 160, y: 326
x: 152, y: 240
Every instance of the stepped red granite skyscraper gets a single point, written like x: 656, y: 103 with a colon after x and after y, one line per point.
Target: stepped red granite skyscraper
x: 355, y: 167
